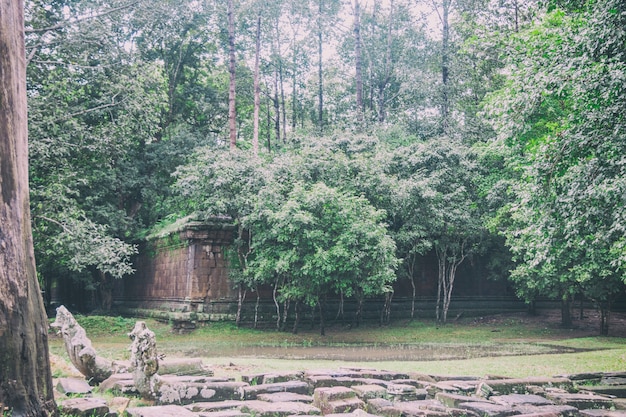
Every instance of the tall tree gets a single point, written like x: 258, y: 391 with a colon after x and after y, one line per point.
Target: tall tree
x: 25, y: 377
x: 232, y: 71
x: 357, y: 61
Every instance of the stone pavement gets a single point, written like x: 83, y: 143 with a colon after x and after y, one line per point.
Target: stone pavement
x: 370, y: 392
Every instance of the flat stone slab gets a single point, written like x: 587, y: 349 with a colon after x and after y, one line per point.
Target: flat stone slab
x: 119, y: 383
x: 582, y: 401
x: 215, y: 406
x: 615, y: 390
x: 519, y: 399
x: 281, y: 397
x: 160, y: 411
x: 547, y: 410
x: 488, y: 409
x: 341, y: 406
x: 265, y: 409
x: 453, y: 400
x: 72, y: 386
x: 184, y: 366
x: 366, y: 392
x: 333, y: 393
x: 119, y: 405
x: 272, y: 378
x: 519, y: 385
x: 602, y: 413
x: 85, y: 407
x: 417, y: 408
x: 223, y: 413
x: 250, y: 392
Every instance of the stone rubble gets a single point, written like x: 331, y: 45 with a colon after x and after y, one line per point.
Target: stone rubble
x: 370, y: 393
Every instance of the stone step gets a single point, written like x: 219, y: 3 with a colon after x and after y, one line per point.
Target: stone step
x: 215, y: 406
x: 615, y: 390
x: 223, y: 413
x: 547, y: 410
x: 602, y: 413
x: 250, y: 392
x: 520, y: 399
x: 520, y: 385
x: 267, y: 409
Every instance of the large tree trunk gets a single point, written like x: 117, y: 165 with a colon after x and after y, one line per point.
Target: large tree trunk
x: 25, y: 377
x: 232, y: 112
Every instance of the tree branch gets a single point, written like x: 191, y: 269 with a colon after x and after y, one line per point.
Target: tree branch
x: 80, y: 19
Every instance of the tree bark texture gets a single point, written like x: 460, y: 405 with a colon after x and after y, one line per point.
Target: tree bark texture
x: 320, y: 45
x: 25, y: 378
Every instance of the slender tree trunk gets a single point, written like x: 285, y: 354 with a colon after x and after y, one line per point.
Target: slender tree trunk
x: 25, y: 377
x: 445, y: 63
x: 232, y: 70
x: 357, y: 53
x: 320, y: 72
x: 411, y: 271
x: 382, y: 88
x: 274, y: 297
x: 241, y: 296
x: 360, y: 298
x: 296, y: 322
x: 605, y: 315
x: 256, y: 308
x: 257, y: 90
x: 276, y: 106
x: 269, y: 128
x: 322, y: 321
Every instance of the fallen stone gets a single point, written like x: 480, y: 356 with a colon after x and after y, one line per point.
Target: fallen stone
x: 265, y: 409
x: 421, y: 377
x: 184, y: 366
x: 356, y: 413
x: 366, y: 392
x: 71, y: 386
x: 381, y: 407
x: 582, y: 401
x: 322, y: 395
x: 224, y: 413
x: 119, y: 405
x: 547, y: 410
x: 215, y: 406
x: 414, y: 382
x: 520, y: 399
x: 614, y: 390
x: 119, y: 384
x: 488, y: 409
x: 602, y: 413
x: 160, y: 411
x: 281, y: 397
x: 519, y: 385
x: 401, y: 392
x: 85, y: 407
x: 272, y: 378
x: 420, y: 408
x: 250, y: 392
x: 453, y: 400
x: 345, y: 405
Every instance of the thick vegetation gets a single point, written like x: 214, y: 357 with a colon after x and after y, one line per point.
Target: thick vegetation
x: 365, y: 136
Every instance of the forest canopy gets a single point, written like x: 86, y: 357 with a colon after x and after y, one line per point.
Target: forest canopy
x: 345, y: 139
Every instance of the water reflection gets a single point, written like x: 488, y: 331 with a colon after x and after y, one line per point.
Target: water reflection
x: 397, y: 352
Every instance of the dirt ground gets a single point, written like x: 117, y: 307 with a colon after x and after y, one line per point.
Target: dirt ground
x: 588, y: 326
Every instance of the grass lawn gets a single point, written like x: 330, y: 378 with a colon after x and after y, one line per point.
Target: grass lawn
x: 514, y: 345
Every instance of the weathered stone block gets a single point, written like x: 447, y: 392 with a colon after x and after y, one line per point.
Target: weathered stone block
x: 602, y: 413
x: 266, y: 409
x: 453, y: 400
x: 120, y: 384
x: 184, y: 366
x: 322, y: 395
x: 119, y: 405
x: 281, y: 397
x: 85, y: 407
x: 71, y: 386
x: 519, y: 399
x: 366, y: 392
x: 548, y: 410
x: 582, y: 401
x: 420, y: 408
x: 215, y: 406
x: 519, y: 385
x: 488, y: 409
x: 160, y: 411
x: 381, y: 407
x: 250, y: 392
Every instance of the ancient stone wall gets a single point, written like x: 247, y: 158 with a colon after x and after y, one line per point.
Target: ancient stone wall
x: 182, y: 271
